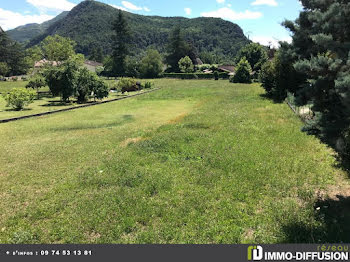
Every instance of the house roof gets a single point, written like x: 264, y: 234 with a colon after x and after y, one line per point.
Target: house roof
x: 92, y: 63
x: 227, y: 68
x: 42, y: 62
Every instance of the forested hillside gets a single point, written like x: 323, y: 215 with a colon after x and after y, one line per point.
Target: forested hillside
x: 26, y: 32
x: 89, y: 24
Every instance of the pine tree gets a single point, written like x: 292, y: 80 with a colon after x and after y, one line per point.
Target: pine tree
x: 121, y: 42
x: 243, y: 72
x: 321, y: 37
x: 178, y: 48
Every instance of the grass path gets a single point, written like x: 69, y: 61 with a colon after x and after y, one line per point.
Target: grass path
x: 196, y: 162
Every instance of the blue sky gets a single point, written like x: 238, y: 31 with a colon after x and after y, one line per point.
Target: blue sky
x: 260, y: 19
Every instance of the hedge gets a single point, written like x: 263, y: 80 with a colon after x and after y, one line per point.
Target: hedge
x: 194, y: 75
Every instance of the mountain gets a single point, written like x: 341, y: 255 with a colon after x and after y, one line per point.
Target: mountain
x: 89, y: 24
x: 27, y: 32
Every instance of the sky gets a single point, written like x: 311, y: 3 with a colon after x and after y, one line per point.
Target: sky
x: 260, y: 19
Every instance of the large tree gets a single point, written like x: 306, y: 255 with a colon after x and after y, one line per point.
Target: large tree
x: 121, y: 42
x: 57, y: 48
x: 12, y: 55
x: 255, y: 53
x: 320, y: 50
x: 178, y: 48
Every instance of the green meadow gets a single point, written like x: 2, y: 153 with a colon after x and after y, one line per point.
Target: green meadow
x: 198, y: 161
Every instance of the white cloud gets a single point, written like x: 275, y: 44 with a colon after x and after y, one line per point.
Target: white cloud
x: 270, y: 41
x: 265, y: 2
x: 57, y: 5
x: 147, y: 9
x: 229, y: 14
x: 131, y: 6
x: 188, y: 11
x: 10, y: 20
x: 220, y: 1
x: 119, y: 7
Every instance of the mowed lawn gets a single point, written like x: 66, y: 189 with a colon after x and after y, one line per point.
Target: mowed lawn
x: 195, y: 162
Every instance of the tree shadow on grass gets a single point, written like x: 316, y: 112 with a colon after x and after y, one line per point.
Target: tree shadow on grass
x: 271, y: 98
x: 15, y: 110
x: 333, y: 215
x: 83, y: 126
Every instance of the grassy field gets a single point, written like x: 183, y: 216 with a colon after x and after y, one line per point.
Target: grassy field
x: 195, y: 162
x: 44, y: 104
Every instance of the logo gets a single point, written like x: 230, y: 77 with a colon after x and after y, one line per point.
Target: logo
x: 255, y: 253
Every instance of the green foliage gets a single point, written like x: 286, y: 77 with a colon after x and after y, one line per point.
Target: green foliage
x: 85, y: 81
x: 97, y: 54
x: 177, y: 49
x: 12, y: 56
x: 57, y: 48
x: 194, y: 75
x: 36, y: 82
x: 148, y: 85
x: 319, y: 54
x: 243, y: 72
x: 267, y: 77
x: 186, y: 65
x: 62, y: 79
x: 127, y: 85
x: 132, y: 67
x: 89, y: 83
x: 151, y: 64
x: 100, y: 89
x: 18, y: 98
x: 91, y: 21
x: 4, y: 68
x: 255, y: 53
x: 121, y: 41
x: 216, y: 75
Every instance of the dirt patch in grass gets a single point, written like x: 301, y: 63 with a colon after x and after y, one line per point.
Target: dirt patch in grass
x: 178, y: 119
x: 134, y: 140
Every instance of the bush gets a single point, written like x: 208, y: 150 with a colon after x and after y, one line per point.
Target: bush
x: 148, y: 85
x: 18, y: 98
x: 151, y: 64
x: 186, y: 65
x: 216, y: 75
x: 15, y: 79
x: 243, y: 72
x: 99, y: 89
x: 36, y: 82
x: 195, y: 75
x: 127, y: 85
x: 267, y: 77
x: 24, y: 78
x: 89, y: 83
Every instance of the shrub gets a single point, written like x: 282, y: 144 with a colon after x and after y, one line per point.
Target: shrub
x: 195, y: 75
x: 62, y: 79
x: 243, y: 72
x: 151, y: 64
x: 18, y: 98
x: 127, y: 85
x: 89, y: 83
x: 267, y: 77
x: 186, y: 65
x: 24, y: 78
x: 148, y: 85
x: 99, y: 89
x: 36, y: 82
x: 216, y: 75
x: 15, y: 79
